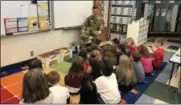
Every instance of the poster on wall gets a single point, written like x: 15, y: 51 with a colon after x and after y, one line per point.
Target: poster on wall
x: 10, y: 25
x: 43, y: 15
x: 43, y: 9
x: 22, y: 24
x: 44, y: 24
x: 32, y: 24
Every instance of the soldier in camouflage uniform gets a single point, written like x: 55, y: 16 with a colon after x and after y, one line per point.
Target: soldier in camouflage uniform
x: 92, y: 28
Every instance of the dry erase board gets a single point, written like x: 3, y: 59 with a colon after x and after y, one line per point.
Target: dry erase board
x: 71, y: 13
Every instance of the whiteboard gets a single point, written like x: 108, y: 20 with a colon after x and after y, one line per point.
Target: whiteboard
x: 16, y: 9
x: 71, y: 13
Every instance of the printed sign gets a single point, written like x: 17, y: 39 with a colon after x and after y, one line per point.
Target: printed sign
x: 10, y: 25
x: 44, y: 24
x: 32, y: 24
x: 43, y: 9
x: 22, y: 24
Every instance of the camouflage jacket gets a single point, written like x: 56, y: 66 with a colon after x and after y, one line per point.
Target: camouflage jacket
x: 92, y: 26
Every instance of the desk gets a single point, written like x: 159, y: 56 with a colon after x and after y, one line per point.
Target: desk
x: 175, y: 59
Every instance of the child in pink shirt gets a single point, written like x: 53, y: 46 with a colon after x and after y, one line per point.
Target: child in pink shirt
x: 146, y: 60
x: 131, y: 46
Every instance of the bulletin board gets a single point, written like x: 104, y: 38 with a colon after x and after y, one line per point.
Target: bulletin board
x: 21, y: 17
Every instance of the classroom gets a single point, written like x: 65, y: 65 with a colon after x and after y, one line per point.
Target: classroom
x: 90, y: 52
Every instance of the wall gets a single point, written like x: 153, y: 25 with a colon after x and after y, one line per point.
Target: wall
x: 15, y: 49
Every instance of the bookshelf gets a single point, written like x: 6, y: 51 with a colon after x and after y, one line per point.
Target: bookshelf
x: 122, y: 12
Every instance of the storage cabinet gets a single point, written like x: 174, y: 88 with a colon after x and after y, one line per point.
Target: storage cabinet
x: 138, y: 30
x: 121, y: 13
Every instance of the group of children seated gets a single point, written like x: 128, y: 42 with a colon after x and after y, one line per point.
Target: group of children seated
x: 98, y: 76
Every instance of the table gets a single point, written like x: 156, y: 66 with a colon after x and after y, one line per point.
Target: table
x: 175, y: 59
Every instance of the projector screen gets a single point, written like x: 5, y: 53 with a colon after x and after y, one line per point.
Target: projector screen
x: 71, y: 13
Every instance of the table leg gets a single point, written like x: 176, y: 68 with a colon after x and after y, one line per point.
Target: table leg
x: 171, y: 73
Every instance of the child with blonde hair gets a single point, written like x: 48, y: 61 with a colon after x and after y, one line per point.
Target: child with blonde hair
x: 131, y: 46
x: 96, y: 54
x: 125, y: 74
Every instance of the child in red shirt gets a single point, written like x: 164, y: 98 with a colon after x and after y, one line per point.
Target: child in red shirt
x: 131, y: 46
x: 158, y: 53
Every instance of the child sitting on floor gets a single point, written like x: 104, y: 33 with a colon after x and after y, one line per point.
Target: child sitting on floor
x: 146, y: 60
x: 60, y: 94
x: 119, y: 51
x: 125, y: 74
x: 35, y: 88
x: 83, y: 53
x: 108, y: 53
x: 107, y: 85
x: 109, y: 56
x: 115, y: 42
x: 131, y: 46
x: 75, y: 75
x: 138, y: 67
x: 88, y: 92
x: 96, y: 64
x: 36, y: 63
x: 158, y: 53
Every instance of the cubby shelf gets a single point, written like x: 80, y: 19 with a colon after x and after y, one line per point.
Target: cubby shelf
x: 138, y: 30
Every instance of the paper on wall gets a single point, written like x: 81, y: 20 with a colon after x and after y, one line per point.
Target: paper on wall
x: 44, y: 24
x: 32, y: 10
x: 24, y: 10
x: 10, y: 22
x: 22, y: 24
x: 11, y: 30
x: 32, y: 24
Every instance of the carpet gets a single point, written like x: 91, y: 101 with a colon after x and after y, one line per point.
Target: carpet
x: 11, y: 88
x: 62, y: 67
x: 8, y: 72
x: 131, y: 98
